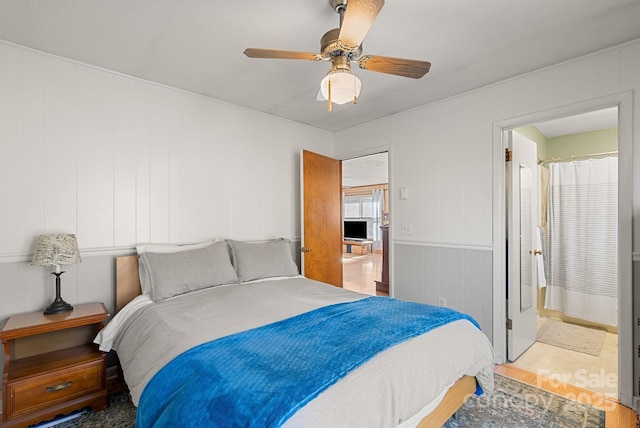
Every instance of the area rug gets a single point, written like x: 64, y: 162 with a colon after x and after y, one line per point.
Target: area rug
x: 513, y: 404
x: 516, y: 404
x: 571, y: 336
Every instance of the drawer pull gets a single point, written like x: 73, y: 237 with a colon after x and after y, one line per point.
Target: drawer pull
x: 59, y: 387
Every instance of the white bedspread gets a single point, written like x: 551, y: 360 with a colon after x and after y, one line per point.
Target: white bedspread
x: 384, y: 392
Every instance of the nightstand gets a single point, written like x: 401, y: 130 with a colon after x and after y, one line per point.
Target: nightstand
x: 43, y: 375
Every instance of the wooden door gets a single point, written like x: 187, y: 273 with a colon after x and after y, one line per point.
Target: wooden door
x: 321, y: 218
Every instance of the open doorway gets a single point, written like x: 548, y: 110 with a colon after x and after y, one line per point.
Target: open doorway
x: 575, y: 289
x: 365, y: 211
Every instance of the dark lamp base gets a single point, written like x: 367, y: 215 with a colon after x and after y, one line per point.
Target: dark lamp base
x: 57, y: 307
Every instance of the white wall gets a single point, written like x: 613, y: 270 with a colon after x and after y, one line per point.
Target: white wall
x: 120, y: 161
x: 443, y: 153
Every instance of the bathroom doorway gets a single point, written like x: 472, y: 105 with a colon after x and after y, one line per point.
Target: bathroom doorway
x: 575, y: 342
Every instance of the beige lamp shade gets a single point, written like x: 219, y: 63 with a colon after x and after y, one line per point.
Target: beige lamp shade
x: 56, y: 249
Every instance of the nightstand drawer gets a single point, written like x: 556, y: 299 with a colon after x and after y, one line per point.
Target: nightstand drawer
x: 34, y: 393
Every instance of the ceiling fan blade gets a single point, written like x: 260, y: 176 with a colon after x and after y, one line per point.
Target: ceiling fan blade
x: 358, y: 19
x: 397, y: 66
x: 277, y: 54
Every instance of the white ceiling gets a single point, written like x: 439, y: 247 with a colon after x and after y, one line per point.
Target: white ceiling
x: 197, y: 45
x: 365, y: 170
x: 586, y: 122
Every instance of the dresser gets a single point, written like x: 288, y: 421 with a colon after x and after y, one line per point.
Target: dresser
x: 43, y: 377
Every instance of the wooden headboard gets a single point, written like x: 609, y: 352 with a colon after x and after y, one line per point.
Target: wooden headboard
x: 127, y: 280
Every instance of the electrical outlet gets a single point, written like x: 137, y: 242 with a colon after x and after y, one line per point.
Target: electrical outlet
x: 406, y: 229
x: 442, y: 302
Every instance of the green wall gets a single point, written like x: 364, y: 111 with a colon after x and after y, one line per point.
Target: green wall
x: 604, y: 140
x: 566, y: 146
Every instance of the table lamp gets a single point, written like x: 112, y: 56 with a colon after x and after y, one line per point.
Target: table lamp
x: 56, y: 250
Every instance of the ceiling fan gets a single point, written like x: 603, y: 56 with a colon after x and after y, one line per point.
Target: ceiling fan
x: 342, y: 46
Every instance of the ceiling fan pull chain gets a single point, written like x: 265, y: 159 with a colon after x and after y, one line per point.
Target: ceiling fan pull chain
x: 355, y: 92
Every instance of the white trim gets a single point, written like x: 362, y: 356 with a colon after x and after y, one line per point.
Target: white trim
x: 124, y: 250
x: 366, y: 152
x: 301, y: 175
x: 456, y: 245
x: 499, y: 267
x: 624, y: 102
x: 625, y: 248
x: 84, y: 252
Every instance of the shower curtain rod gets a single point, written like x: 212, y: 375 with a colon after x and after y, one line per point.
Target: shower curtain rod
x: 592, y: 155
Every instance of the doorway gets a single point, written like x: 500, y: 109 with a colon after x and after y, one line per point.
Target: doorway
x: 575, y: 290
x: 365, y: 211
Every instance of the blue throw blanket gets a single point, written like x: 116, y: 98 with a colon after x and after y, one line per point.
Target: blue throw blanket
x: 261, y: 377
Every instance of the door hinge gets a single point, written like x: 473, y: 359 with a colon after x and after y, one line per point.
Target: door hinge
x: 638, y: 321
x: 509, y: 324
x: 638, y: 351
x: 507, y: 155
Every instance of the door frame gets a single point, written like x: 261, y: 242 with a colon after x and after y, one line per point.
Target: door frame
x: 624, y: 102
x: 369, y: 152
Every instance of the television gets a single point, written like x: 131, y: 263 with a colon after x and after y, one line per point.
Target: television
x: 355, y: 229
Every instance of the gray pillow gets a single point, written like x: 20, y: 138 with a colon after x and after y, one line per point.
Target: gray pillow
x: 257, y: 260
x: 172, y: 274
x: 145, y: 281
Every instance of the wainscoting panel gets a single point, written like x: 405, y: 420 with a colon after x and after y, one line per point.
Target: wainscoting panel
x: 424, y: 273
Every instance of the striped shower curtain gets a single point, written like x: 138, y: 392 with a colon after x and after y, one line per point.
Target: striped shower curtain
x: 583, y: 240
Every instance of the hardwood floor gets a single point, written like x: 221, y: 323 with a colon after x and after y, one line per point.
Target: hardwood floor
x: 617, y: 415
x: 361, y: 271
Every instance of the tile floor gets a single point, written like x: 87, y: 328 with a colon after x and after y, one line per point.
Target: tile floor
x: 598, y: 374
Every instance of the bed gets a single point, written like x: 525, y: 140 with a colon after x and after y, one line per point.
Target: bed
x: 420, y: 381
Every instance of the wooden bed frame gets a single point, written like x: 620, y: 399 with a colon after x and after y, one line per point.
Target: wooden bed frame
x: 128, y: 287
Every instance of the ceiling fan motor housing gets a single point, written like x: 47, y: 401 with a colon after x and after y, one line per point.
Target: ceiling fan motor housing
x: 330, y: 47
x: 344, y: 44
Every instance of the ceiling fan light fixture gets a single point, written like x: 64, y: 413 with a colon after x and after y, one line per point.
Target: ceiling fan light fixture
x: 345, y: 87
x: 342, y: 46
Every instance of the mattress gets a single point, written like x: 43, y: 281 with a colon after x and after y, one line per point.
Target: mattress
x: 389, y: 390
